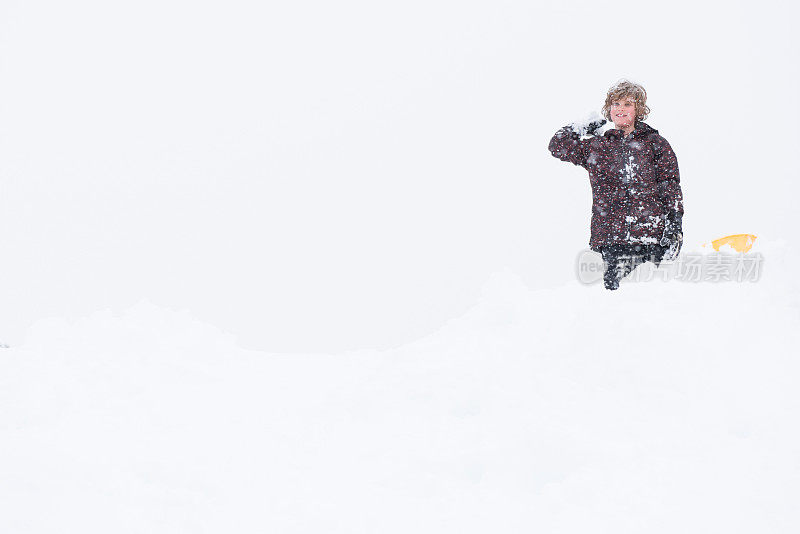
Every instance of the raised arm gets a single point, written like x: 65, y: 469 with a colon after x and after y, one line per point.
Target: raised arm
x: 567, y: 144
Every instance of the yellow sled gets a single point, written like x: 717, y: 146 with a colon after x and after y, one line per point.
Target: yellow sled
x: 739, y: 242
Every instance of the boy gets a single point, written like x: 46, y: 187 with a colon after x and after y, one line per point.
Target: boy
x: 637, y: 202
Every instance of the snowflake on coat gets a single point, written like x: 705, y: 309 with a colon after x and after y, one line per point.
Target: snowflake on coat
x: 635, y: 182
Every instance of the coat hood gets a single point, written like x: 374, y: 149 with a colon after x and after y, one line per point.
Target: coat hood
x: 640, y: 129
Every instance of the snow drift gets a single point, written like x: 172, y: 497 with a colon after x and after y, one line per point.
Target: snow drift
x: 661, y: 407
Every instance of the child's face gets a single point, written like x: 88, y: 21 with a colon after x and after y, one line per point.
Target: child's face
x: 623, y: 112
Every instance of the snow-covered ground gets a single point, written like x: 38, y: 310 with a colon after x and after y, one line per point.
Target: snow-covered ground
x: 660, y: 408
x: 363, y: 192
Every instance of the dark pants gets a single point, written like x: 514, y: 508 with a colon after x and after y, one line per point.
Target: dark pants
x: 621, y: 259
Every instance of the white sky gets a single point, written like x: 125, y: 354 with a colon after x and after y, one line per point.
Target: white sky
x: 367, y: 188
x: 315, y: 176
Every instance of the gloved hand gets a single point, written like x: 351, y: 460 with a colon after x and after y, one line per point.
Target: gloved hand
x: 673, y: 235
x: 588, y: 125
x: 594, y: 126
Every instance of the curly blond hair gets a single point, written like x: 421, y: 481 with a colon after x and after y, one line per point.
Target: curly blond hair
x: 623, y: 89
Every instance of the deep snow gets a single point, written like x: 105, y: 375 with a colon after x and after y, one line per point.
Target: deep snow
x: 318, y: 176
x: 570, y: 409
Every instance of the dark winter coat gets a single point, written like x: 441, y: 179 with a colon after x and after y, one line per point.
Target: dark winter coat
x: 634, y: 178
